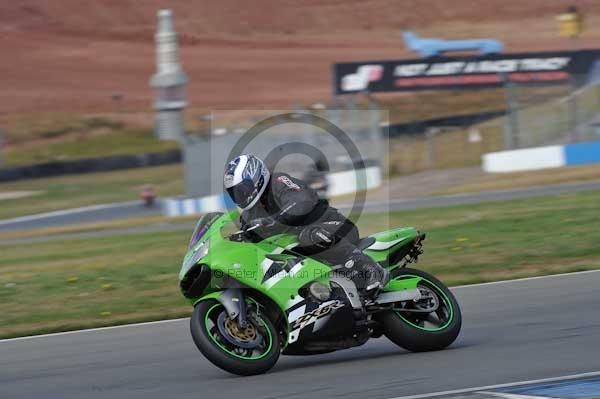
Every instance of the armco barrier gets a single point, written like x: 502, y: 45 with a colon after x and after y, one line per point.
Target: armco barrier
x: 346, y: 182
x: 90, y: 165
x: 582, y: 153
x: 339, y: 183
x: 542, y: 157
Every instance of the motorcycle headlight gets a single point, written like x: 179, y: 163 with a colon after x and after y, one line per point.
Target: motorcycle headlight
x: 196, y: 256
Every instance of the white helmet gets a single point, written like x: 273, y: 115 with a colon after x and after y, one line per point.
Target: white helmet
x: 246, y: 178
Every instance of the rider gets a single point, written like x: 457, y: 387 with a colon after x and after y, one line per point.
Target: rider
x: 277, y: 203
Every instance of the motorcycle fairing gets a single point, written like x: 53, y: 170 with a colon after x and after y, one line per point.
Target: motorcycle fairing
x: 392, y: 245
x: 311, y: 320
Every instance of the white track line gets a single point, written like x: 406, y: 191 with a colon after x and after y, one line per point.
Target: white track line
x: 507, y: 385
x: 175, y: 320
x: 525, y: 279
x: 504, y: 395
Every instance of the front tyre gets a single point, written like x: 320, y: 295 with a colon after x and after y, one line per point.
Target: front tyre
x: 430, y: 324
x: 249, y: 351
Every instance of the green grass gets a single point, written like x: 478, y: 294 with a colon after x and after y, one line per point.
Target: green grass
x: 89, y: 189
x: 506, y: 181
x: 39, y: 137
x: 67, y: 284
x: 505, y: 240
x: 45, y: 137
x: 542, y: 119
x: 121, y: 142
x: 83, y: 283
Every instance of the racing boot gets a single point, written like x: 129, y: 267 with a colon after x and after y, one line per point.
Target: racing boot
x: 376, y: 277
x: 368, y: 275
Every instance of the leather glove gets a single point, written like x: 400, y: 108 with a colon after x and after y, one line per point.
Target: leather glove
x: 316, y: 236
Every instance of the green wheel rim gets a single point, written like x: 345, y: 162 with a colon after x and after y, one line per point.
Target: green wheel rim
x: 224, y: 349
x: 444, y: 297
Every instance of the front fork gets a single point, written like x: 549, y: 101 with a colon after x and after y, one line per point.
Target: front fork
x: 234, y: 303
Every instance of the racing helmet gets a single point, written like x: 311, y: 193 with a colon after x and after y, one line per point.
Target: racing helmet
x: 246, y: 178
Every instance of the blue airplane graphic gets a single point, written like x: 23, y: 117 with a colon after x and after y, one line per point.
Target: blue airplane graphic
x: 429, y: 47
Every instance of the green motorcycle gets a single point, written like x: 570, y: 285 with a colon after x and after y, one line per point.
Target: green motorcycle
x: 256, y: 300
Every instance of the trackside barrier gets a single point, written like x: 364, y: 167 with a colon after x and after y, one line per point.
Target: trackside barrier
x: 346, y: 182
x: 90, y: 165
x: 339, y: 183
x: 542, y: 157
x: 582, y: 153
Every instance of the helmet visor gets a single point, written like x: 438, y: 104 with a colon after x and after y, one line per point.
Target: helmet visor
x: 245, y: 192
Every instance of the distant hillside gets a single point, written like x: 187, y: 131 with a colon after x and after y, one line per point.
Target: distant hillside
x: 239, y: 17
x: 71, y: 55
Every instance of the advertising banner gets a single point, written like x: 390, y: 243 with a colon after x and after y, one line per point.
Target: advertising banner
x: 465, y: 72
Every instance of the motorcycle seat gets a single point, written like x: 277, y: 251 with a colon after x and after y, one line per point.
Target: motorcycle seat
x: 365, y: 243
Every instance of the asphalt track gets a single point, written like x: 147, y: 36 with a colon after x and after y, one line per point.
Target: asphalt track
x: 512, y: 331
x: 88, y: 214
x: 135, y: 209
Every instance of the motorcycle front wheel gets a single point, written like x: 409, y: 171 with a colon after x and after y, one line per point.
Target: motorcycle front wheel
x: 432, y: 323
x: 248, y: 351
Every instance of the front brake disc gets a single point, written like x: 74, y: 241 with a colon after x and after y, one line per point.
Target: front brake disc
x: 247, y: 338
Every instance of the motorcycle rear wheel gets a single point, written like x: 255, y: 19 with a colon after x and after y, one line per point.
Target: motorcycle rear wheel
x: 421, y: 332
x: 224, y: 354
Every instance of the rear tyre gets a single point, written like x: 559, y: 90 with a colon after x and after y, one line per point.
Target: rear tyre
x: 251, y: 351
x: 423, y: 331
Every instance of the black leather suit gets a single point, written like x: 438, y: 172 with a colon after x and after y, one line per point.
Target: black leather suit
x: 295, y: 207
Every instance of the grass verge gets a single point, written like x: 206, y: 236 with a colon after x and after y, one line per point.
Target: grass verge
x: 505, y: 181
x: 118, y: 224
x: 80, y: 283
x: 72, y: 191
x: 46, y: 137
